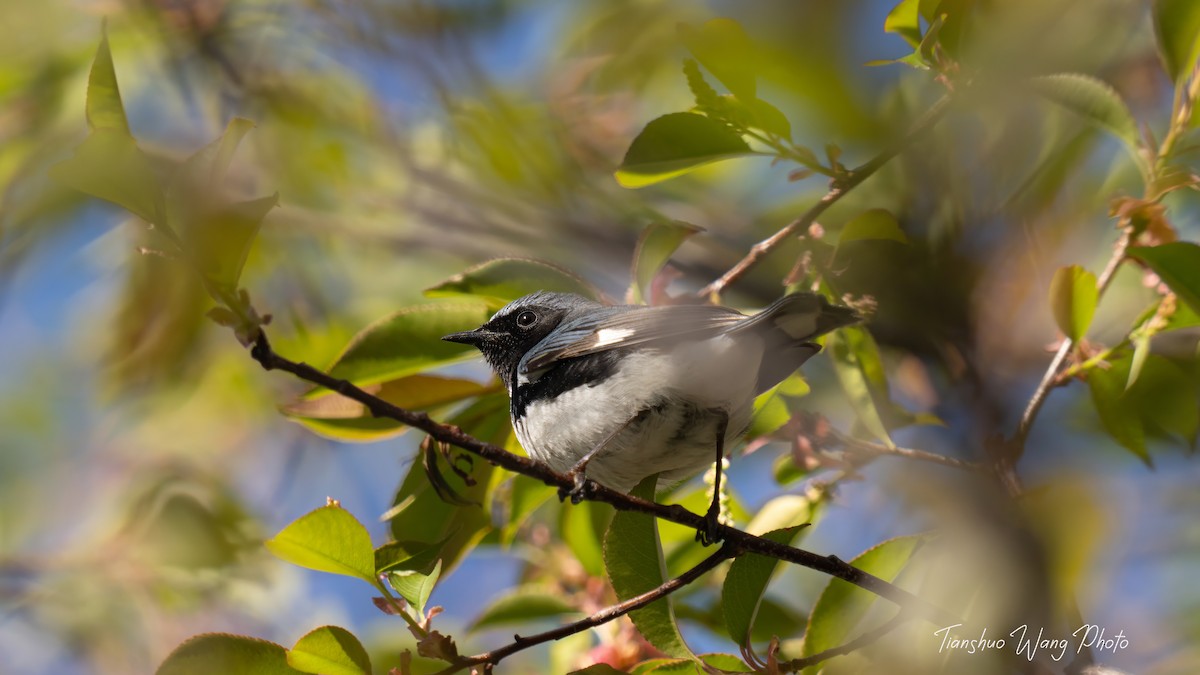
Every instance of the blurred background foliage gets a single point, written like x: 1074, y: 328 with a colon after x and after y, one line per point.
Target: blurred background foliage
x: 142, y: 455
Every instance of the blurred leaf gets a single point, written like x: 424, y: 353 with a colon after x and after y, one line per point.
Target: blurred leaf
x: 414, y: 586
x: 226, y: 654
x: 654, y: 248
x: 769, y: 118
x: 770, y: 413
x: 525, y: 496
x: 1120, y: 419
x: 675, y: 144
x: 522, y: 605
x: 109, y: 165
x: 1141, y: 349
x: 335, y: 416
x: 745, y: 584
x: 842, y: 605
x: 502, y: 280
x: 104, y: 107
x: 221, y: 239
x: 582, y: 528
x: 860, y: 371
x: 1177, y: 27
x: 633, y: 558
x: 726, y: 662
x: 328, y: 539
x: 408, y: 342
x: 1092, y: 99
x: 725, y: 50
x: 420, y: 514
x: 598, y: 669
x: 873, y: 224
x: 1178, y: 265
x: 226, y: 146
x: 905, y: 20
x: 781, y: 512
x: 330, y: 650
x: 1073, y: 298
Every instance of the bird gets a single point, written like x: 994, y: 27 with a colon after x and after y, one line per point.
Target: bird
x: 617, y: 393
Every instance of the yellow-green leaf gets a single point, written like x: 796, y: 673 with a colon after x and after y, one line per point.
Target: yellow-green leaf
x: 1092, y: 99
x: 227, y: 654
x: 1177, y: 27
x: 675, y: 144
x: 858, y: 367
x: 725, y: 50
x: 502, y: 280
x: 330, y: 650
x: 654, y: 248
x: 1073, y: 298
x: 1178, y: 265
x: 104, y: 107
x: 905, y: 20
x: 745, y: 584
x: 416, y: 587
x: 873, y: 224
x: 109, y: 165
x: 328, y: 539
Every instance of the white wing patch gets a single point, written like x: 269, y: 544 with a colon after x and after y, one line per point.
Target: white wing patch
x: 797, y: 326
x: 611, y: 336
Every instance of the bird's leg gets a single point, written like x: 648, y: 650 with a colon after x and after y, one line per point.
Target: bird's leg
x: 710, y: 534
x: 578, y: 472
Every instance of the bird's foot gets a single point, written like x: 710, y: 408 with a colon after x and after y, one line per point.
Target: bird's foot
x: 710, y: 533
x: 580, y: 489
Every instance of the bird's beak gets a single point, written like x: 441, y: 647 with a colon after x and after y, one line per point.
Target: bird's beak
x: 470, y: 337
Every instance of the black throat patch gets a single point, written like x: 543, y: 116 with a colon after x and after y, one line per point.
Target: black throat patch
x: 562, y: 377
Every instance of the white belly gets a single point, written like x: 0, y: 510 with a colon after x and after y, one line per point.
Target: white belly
x: 677, y: 439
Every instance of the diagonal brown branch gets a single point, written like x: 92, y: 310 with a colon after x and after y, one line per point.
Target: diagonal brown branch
x: 837, y: 190
x: 831, y: 565
x: 601, y: 617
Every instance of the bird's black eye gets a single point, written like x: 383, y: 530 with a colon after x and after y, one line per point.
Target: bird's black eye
x: 526, y: 319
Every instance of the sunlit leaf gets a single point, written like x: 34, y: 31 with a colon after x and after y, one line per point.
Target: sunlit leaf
x: 335, y: 416
x: 1092, y: 99
x: 104, y: 107
x: 220, y: 239
x: 502, y: 280
x: 328, y: 539
x: 522, y: 605
x: 330, y: 650
x: 525, y: 496
x: 873, y: 224
x: 1141, y: 349
x: 633, y: 559
x: 598, y: 669
x: 1177, y: 27
x: 415, y: 587
x: 582, y: 528
x: 1178, y: 265
x: 675, y: 144
x: 1073, y: 298
x: 856, y: 362
x: 227, y: 654
x: 745, y: 584
x: 842, y: 605
x: 725, y: 662
x: 654, y: 248
x: 725, y: 50
x: 109, y: 165
x: 905, y: 20
x: 406, y: 556
x: 409, y: 341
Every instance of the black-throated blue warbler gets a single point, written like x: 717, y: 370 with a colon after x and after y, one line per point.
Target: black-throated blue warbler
x: 619, y: 393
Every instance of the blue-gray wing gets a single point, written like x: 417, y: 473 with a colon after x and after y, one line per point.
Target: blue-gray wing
x: 619, y: 327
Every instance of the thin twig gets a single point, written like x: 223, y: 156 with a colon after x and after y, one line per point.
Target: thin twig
x: 831, y: 565
x: 879, y: 449
x: 837, y: 190
x: 601, y: 617
x: 796, y: 665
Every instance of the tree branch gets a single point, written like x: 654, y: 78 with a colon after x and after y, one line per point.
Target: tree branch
x: 838, y: 189
x: 601, y: 617
x: 744, y: 541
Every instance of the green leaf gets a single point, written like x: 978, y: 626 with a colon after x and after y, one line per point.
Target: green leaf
x: 220, y: 240
x: 226, y: 146
x: 1118, y: 417
x: 1178, y: 265
x: 860, y: 371
x: 675, y: 144
x: 104, y: 107
x: 873, y: 224
x: 654, y: 248
x: 1141, y: 349
x: 725, y: 50
x: 406, y: 556
x: 769, y: 118
x: 1092, y: 99
x: 327, y: 540
x: 330, y: 650
x: 1177, y: 26
x: 522, y: 605
x: 598, y: 669
x: 109, y: 165
x: 1073, y: 298
x: 634, y: 560
x: 226, y: 654
x: 746, y: 583
x: 525, y: 496
x: 409, y: 341
x: 414, y: 586
x: 905, y: 20
x: 502, y: 280
x: 726, y: 662
x: 582, y: 528
x: 770, y: 413
x: 335, y: 416
x: 842, y: 605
